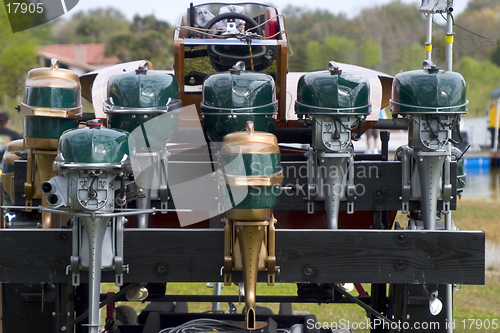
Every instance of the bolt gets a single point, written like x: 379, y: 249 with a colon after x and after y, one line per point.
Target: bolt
x: 162, y: 268
x: 379, y: 193
x: 400, y: 264
x: 63, y: 237
x: 308, y: 271
x: 401, y: 237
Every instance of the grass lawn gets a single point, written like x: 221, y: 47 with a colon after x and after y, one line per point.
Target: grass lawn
x: 470, y: 302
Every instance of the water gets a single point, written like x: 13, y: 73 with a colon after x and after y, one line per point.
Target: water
x: 483, y: 181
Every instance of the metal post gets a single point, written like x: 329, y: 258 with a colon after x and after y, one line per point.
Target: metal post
x: 449, y: 39
x: 428, y: 42
x: 217, y: 291
x: 449, y: 287
x: 447, y: 216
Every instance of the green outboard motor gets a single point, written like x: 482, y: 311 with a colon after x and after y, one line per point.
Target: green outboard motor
x: 434, y: 101
x: 135, y: 98
x: 89, y: 166
x: 146, y: 104
x: 230, y: 99
x: 332, y: 101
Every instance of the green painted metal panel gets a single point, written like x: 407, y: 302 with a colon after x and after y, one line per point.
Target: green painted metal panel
x: 55, y: 98
x: 156, y: 132
x: 158, y: 127
x: 47, y: 127
x: 138, y: 98
x: 143, y: 89
x: 239, y: 89
x: 230, y: 99
x: 428, y: 91
x: 93, y: 145
x: 7, y: 168
x: 333, y: 92
x: 252, y: 164
x: 258, y: 197
x: 219, y: 126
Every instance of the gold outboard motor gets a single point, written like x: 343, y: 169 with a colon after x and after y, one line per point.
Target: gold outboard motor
x: 239, y: 109
x: 52, y: 105
x: 142, y: 103
x: 249, y: 226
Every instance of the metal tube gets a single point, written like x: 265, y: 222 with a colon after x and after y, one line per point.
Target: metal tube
x: 428, y: 41
x: 334, y: 176
x: 96, y: 228
x: 449, y: 40
x: 449, y: 287
x: 143, y: 203
x: 216, y: 292
x: 429, y: 170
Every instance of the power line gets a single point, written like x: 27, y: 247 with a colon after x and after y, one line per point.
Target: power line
x: 489, y: 40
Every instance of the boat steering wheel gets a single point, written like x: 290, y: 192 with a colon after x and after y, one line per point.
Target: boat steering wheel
x: 250, y: 21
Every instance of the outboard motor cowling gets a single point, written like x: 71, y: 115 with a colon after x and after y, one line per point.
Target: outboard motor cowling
x: 230, y: 99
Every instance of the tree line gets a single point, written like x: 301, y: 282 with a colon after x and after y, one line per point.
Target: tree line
x: 387, y: 38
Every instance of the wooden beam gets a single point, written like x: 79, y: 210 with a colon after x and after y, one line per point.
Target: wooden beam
x: 326, y: 256
x: 179, y: 66
x: 281, y: 71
